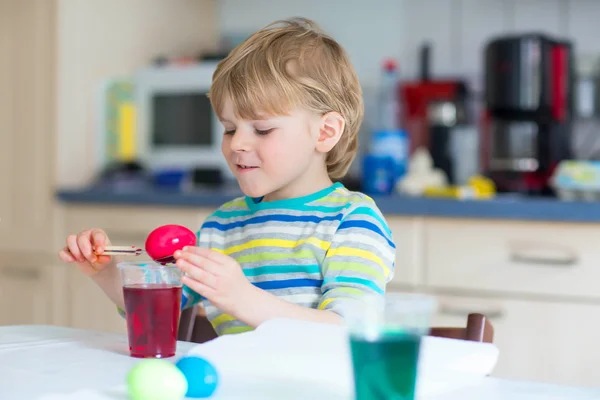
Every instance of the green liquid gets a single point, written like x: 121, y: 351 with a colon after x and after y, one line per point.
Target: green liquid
x: 385, y: 368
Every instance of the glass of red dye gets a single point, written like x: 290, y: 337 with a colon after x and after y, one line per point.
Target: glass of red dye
x: 152, y: 294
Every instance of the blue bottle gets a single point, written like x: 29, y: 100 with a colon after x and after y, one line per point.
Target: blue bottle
x: 389, y: 139
x: 378, y: 174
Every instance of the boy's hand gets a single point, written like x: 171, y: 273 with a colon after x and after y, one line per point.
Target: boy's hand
x: 217, y: 277
x: 82, y: 249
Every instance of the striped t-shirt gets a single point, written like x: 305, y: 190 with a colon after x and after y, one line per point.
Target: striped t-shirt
x: 317, y: 251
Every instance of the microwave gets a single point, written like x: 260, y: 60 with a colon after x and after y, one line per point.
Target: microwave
x: 176, y: 126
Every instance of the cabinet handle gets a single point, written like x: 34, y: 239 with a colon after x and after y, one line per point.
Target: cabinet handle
x: 542, y: 254
x: 494, y: 313
x: 24, y: 273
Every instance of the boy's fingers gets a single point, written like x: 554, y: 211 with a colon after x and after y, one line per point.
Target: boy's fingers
x: 85, y: 246
x: 198, y: 287
x: 103, y: 259
x: 65, y: 255
x: 207, y: 253
x: 98, y: 240
x: 201, y: 262
x: 196, y: 273
x: 74, y: 248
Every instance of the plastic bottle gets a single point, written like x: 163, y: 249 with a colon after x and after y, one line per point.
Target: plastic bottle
x: 388, y: 101
x: 389, y: 139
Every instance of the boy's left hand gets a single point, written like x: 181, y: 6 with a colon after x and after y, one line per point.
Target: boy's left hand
x: 217, y: 277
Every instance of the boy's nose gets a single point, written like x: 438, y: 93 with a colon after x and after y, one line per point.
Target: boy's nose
x: 242, y: 140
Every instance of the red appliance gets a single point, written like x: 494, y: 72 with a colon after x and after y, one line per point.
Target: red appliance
x: 432, y: 110
x: 417, y: 97
x: 526, y: 128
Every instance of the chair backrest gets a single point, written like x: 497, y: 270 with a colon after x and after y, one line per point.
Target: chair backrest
x: 478, y: 329
x: 194, y: 326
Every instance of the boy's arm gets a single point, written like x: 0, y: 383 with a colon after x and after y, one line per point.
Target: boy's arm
x: 359, y: 262
x: 109, y: 280
x: 265, y: 306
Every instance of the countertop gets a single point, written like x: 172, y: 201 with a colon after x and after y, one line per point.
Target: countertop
x: 514, y: 207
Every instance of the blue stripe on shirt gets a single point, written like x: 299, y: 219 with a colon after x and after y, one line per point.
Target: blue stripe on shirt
x: 271, y: 218
x: 350, y: 279
x: 289, y: 283
x: 365, y: 225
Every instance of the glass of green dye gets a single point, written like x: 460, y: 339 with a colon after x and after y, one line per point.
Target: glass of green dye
x: 385, y: 339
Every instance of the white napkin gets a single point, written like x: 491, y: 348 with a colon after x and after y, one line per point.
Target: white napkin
x: 319, y: 355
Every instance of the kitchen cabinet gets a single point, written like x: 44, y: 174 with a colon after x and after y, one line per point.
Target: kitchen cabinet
x: 541, y: 258
x: 27, y: 116
x: 31, y: 290
x: 538, y: 340
x: 89, y: 307
x: 536, y: 281
x: 406, y: 233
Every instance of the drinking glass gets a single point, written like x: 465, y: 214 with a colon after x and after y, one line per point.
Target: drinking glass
x: 152, y: 295
x: 385, y: 338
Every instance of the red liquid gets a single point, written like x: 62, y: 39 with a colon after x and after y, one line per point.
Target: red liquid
x: 152, y: 319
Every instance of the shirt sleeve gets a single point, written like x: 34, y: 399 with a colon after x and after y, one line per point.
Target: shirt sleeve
x: 360, y: 260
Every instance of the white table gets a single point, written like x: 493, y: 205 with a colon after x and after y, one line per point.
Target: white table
x: 36, y: 361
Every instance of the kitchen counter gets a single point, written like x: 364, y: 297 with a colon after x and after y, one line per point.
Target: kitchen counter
x: 503, y: 207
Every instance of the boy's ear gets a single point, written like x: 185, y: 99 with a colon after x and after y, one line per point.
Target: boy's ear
x: 330, y: 131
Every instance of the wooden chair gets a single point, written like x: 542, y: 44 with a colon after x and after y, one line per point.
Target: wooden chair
x: 478, y: 329
x: 194, y: 327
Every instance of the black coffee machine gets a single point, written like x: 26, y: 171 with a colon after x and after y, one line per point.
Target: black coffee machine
x: 526, y: 132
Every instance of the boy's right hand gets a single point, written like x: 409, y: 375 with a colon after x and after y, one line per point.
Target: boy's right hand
x: 82, y: 249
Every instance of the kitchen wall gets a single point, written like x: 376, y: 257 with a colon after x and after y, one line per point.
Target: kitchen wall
x: 457, y: 29
x: 106, y: 38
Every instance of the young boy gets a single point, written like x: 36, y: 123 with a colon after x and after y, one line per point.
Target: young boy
x: 297, y: 245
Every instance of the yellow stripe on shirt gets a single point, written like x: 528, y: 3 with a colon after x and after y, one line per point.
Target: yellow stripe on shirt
x: 351, y: 252
x: 236, y: 329
x: 221, y: 319
x: 288, y: 244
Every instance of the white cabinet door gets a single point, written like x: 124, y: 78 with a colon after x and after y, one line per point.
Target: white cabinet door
x: 24, y: 298
x: 31, y: 292
x: 515, y: 257
x: 407, y: 235
x: 27, y: 121
x: 538, y: 340
x: 90, y: 308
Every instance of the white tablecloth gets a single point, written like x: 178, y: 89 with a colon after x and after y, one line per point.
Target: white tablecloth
x: 52, y: 363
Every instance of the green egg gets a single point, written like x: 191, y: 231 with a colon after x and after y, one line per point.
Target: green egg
x: 155, y: 379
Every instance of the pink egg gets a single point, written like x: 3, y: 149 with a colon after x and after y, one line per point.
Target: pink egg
x: 165, y: 240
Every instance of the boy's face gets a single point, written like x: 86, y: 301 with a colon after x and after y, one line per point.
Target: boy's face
x: 275, y: 157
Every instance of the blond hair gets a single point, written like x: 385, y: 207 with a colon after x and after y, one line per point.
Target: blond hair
x: 288, y: 64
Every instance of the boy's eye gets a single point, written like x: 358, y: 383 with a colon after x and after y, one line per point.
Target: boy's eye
x: 229, y: 131
x: 259, y: 132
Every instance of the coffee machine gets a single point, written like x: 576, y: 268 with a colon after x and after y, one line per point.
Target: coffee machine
x: 527, y: 119
x: 433, y: 108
